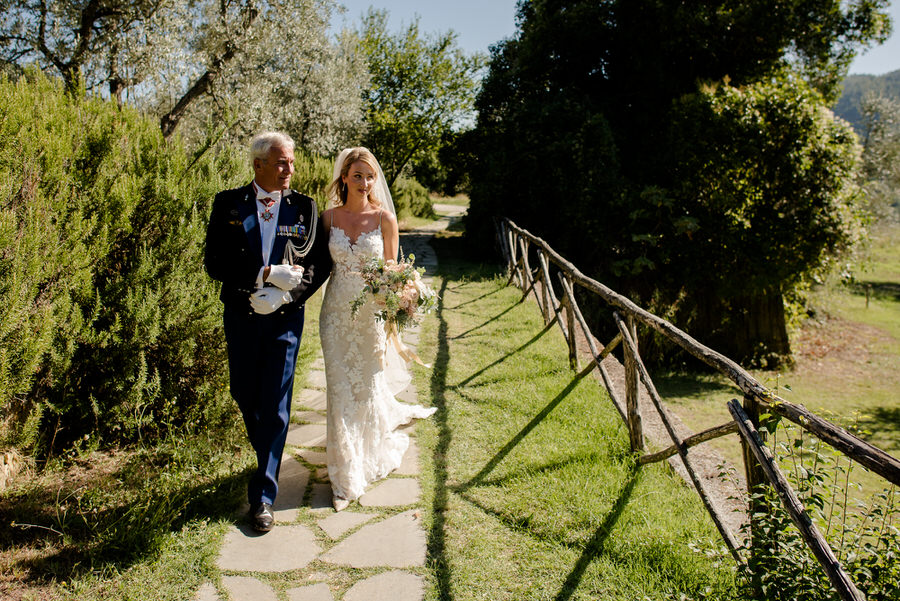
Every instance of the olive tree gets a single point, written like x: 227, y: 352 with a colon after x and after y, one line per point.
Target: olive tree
x: 240, y: 65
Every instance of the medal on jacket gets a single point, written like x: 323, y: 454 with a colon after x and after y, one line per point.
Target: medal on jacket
x: 267, y: 214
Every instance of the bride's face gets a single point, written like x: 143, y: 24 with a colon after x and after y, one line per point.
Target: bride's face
x: 359, y: 180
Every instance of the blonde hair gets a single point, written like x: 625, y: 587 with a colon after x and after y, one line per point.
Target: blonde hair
x: 337, y: 190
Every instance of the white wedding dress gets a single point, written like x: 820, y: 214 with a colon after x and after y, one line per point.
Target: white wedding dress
x: 362, y: 442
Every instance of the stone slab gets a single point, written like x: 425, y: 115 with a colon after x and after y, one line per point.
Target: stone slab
x: 292, y: 481
x: 410, y: 337
x: 313, y: 457
x: 309, y: 435
x: 312, y: 417
x: 408, y: 429
x: 336, y: 525
x: 207, y: 592
x: 393, y: 492
x: 408, y: 395
x: 321, y: 496
x: 397, y: 542
x: 283, y: 549
x: 390, y: 586
x: 244, y: 588
x: 313, y: 592
x: 410, y: 464
x: 316, y: 400
x: 316, y: 379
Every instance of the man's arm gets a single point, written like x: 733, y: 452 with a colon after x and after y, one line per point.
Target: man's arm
x: 226, y: 258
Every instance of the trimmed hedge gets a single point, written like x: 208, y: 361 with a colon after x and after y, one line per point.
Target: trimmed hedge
x: 110, y: 330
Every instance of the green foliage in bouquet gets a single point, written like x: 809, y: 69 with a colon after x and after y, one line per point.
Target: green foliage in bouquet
x: 109, y: 328
x: 397, y: 290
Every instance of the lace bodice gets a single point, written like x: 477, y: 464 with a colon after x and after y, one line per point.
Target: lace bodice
x: 348, y: 256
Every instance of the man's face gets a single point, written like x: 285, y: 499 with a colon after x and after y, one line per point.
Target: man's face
x: 274, y: 172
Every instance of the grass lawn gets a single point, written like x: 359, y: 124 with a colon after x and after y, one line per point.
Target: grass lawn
x: 532, y: 489
x: 461, y: 200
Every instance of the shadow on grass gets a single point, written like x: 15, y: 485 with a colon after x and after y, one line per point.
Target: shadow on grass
x: 481, y: 325
x: 437, y: 544
x: 594, y: 547
x: 880, y: 290
x: 545, y: 469
x: 681, y: 384
x: 475, y: 300
x: 537, y: 337
x: 80, y: 527
x: 885, y: 421
x: 515, y: 440
x: 460, y: 260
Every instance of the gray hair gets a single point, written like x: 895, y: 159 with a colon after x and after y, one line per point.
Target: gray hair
x: 262, y: 143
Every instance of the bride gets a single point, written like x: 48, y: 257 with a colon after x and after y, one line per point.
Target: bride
x: 362, y: 442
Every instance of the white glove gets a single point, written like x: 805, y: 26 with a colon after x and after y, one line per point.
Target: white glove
x: 286, y: 277
x: 268, y: 300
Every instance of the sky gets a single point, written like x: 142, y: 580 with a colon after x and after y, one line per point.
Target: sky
x: 477, y: 23
x: 885, y: 58
x: 480, y: 23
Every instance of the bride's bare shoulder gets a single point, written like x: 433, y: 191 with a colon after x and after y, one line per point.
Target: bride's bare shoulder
x: 328, y: 217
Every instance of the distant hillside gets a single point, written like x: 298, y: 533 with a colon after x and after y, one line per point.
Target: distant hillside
x: 856, y: 86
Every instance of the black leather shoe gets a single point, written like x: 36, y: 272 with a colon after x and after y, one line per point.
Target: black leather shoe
x: 263, y: 518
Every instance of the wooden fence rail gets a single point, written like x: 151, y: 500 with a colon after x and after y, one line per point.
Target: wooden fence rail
x: 519, y: 246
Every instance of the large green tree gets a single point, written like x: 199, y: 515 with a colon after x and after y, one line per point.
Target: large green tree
x: 422, y: 88
x: 666, y: 147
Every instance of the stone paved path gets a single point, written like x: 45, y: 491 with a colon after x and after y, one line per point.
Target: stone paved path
x: 372, y: 551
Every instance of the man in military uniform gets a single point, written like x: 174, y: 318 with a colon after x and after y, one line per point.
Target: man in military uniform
x: 266, y: 245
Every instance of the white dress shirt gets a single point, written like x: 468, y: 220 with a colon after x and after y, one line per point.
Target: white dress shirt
x: 266, y: 228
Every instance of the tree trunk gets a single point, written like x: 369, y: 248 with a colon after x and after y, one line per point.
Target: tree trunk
x: 751, y: 329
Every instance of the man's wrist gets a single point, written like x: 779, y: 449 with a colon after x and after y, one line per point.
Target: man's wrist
x: 266, y: 271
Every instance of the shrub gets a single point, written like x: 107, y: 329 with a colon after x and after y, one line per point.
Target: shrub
x: 312, y: 176
x: 865, y: 536
x: 110, y: 330
x: 411, y: 198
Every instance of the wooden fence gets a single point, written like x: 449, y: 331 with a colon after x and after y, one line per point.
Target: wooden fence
x: 556, y: 299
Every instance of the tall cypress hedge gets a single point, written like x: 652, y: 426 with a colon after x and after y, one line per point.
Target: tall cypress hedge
x: 110, y: 330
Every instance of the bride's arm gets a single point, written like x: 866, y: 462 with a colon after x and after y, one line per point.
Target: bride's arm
x: 391, y: 235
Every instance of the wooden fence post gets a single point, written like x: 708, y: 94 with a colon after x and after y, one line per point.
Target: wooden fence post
x: 514, y: 259
x: 570, y: 339
x: 547, y: 307
x: 756, y: 483
x: 632, y: 391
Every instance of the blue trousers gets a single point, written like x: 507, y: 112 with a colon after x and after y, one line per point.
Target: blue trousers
x: 262, y: 357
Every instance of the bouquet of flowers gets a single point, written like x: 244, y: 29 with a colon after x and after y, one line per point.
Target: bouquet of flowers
x: 397, y: 290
